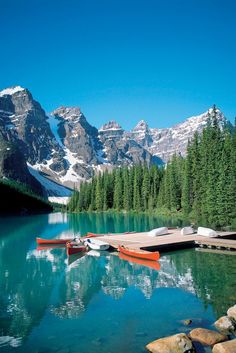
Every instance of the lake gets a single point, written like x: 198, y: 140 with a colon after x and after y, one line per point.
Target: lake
x: 99, y: 302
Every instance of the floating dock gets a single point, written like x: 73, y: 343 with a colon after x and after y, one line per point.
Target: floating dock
x: 217, y: 243
x: 171, y: 241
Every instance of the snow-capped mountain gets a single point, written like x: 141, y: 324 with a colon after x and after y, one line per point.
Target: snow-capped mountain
x: 63, y: 148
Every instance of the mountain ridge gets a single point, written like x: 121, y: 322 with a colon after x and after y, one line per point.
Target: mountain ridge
x: 66, y: 149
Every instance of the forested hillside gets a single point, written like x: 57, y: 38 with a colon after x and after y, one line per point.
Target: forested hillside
x: 201, y: 186
x: 18, y: 198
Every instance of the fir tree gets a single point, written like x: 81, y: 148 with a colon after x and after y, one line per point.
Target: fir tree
x: 99, y: 194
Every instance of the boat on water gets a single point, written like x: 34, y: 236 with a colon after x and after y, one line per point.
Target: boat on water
x: 147, y: 263
x: 96, y: 244
x: 93, y: 235
x: 141, y: 254
x: 41, y: 241
x: 74, y: 247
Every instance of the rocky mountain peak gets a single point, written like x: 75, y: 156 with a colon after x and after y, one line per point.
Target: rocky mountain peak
x: 24, y: 122
x: 111, y: 125
x: 72, y: 114
x: 142, y: 126
x: 11, y: 90
x: 141, y: 134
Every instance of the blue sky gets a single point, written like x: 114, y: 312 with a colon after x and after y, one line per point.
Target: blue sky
x: 127, y: 60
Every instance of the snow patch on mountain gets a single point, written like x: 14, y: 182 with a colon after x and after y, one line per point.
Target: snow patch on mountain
x: 71, y: 175
x: 52, y: 187
x: 11, y: 90
x: 59, y: 199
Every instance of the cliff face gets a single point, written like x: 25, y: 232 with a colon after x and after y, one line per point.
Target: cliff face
x: 120, y: 148
x: 24, y: 121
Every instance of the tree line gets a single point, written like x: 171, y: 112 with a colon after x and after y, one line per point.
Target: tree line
x: 135, y: 188
x: 201, y: 186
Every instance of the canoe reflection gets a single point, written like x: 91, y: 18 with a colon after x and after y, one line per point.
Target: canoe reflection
x: 48, y: 247
x: 152, y: 264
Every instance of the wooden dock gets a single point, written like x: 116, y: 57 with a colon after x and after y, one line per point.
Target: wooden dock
x: 171, y: 241
x: 217, y: 243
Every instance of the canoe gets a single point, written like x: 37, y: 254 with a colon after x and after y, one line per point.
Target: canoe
x: 147, y: 263
x: 96, y: 244
x: 206, y: 232
x: 74, y: 248
x: 93, y: 235
x: 141, y: 254
x: 42, y: 241
x: 158, y: 231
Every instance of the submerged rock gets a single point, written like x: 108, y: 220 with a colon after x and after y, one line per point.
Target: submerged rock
x: 179, y: 343
x: 232, y: 312
x: 207, y: 337
x: 225, y: 347
x: 187, y: 322
x: 226, y: 325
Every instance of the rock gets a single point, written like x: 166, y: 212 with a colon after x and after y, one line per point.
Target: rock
x: 226, y: 325
x: 179, y: 343
x: 225, y: 347
x: 207, y: 337
x: 187, y: 322
x: 232, y: 312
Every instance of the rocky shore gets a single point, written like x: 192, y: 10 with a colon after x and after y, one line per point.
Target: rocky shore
x: 220, y: 341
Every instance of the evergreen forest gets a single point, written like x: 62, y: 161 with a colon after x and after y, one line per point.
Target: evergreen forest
x: 201, y: 186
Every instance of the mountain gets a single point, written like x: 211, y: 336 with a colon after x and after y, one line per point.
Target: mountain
x: 63, y: 149
x: 13, y: 167
x: 119, y: 148
x: 22, y: 120
x: 23, y: 124
x: 163, y: 143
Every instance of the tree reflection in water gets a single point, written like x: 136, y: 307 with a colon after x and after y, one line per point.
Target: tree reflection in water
x: 36, y: 283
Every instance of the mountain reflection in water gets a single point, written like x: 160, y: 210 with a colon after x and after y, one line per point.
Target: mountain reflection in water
x: 40, y: 287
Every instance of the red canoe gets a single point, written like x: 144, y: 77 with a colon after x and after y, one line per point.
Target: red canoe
x: 41, y: 241
x: 148, y: 263
x: 141, y: 254
x: 74, y: 248
x: 93, y: 235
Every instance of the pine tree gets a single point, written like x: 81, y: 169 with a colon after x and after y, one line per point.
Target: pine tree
x: 187, y: 192
x: 136, y: 189
x: 195, y: 201
x: 118, y: 192
x: 224, y: 185
x: 126, y: 198
x: 145, y: 188
x: 98, y: 194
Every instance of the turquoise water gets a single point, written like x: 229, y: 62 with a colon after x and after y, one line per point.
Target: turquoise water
x: 101, y: 303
